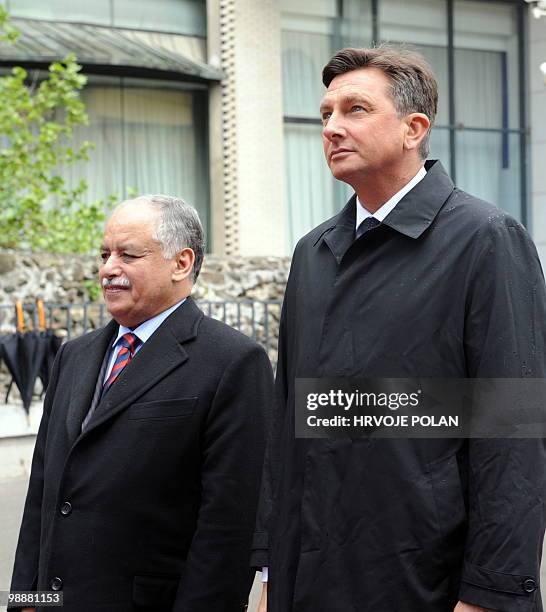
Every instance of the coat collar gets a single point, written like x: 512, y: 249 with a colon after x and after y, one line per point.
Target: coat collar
x: 419, y: 207
x: 92, y: 351
x: 411, y: 216
x: 162, y: 353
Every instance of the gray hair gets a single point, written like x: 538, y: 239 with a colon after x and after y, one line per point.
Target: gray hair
x: 179, y: 228
x: 414, y: 88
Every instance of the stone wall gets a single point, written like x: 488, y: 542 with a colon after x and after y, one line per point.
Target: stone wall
x: 245, y: 292
x: 73, y: 279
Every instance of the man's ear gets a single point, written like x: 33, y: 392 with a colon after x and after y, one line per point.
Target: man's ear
x: 417, y: 126
x: 184, y: 264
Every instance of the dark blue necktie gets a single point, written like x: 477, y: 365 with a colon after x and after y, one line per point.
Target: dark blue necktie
x: 128, y: 342
x: 366, y: 225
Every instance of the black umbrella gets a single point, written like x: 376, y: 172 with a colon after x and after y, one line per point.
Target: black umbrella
x: 52, y: 345
x: 23, y: 353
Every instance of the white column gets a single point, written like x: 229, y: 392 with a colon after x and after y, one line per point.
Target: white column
x: 248, y: 208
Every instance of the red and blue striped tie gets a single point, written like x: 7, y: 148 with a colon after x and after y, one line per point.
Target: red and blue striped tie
x: 128, y: 342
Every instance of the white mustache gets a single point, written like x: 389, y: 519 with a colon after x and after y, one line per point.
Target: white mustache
x: 121, y: 281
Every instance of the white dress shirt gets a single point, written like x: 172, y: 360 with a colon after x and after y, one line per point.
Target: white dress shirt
x: 363, y: 213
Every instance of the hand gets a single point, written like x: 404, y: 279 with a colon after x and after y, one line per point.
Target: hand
x: 262, y: 606
x: 465, y: 607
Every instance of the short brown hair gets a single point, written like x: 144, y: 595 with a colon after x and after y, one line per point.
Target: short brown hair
x: 414, y: 88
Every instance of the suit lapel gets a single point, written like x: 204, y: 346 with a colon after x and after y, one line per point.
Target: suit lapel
x: 162, y: 353
x: 85, y: 377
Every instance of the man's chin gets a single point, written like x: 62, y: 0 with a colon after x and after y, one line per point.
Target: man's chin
x: 125, y: 321
x: 344, y: 173
x: 117, y: 310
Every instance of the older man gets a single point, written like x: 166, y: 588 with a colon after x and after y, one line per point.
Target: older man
x: 144, y: 479
x: 412, y: 279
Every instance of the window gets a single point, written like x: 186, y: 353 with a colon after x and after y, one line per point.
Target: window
x: 488, y: 139
x: 177, y: 16
x: 147, y: 140
x: 62, y: 10
x: 181, y: 16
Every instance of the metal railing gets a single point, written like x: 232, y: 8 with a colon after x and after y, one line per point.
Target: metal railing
x: 258, y: 319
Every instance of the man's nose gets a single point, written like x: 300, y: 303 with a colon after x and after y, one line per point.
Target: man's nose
x: 334, y: 127
x: 110, y: 266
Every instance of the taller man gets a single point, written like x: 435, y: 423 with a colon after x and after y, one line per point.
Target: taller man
x: 144, y: 479
x: 413, y: 278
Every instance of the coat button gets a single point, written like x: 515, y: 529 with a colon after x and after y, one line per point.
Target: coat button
x: 56, y: 584
x: 529, y: 585
x: 66, y: 508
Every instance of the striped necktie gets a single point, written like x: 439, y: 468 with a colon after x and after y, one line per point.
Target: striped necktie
x: 129, y: 343
x: 366, y: 225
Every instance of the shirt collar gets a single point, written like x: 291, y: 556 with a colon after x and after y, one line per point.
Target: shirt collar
x: 411, y: 216
x: 146, y: 329
x: 380, y: 214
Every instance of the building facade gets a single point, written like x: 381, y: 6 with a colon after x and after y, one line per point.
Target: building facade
x: 217, y: 101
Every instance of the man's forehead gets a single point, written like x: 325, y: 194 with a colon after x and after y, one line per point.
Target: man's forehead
x: 134, y: 211
x: 120, y: 242
x: 363, y: 82
x: 348, y: 90
x: 132, y: 219
x: 124, y: 233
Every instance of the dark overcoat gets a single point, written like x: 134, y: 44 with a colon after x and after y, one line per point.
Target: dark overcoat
x: 447, y: 287
x: 152, y: 507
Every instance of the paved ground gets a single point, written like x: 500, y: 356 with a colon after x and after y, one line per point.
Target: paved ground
x: 12, y: 494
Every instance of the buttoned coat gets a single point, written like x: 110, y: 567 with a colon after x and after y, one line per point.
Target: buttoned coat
x: 448, y: 286
x: 152, y: 507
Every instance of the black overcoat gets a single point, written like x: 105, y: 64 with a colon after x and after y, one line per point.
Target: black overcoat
x: 448, y: 286
x: 153, y: 506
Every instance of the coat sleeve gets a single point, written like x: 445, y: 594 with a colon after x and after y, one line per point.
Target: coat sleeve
x: 25, y: 571
x: 260, y: 542
x: 504, y: 338
x: 217, y: 575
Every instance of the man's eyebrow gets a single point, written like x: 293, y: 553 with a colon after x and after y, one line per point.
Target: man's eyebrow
x: 356, y: 98
x: 348, y: 99
x: 123, y: 247
x: 326, y: 102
